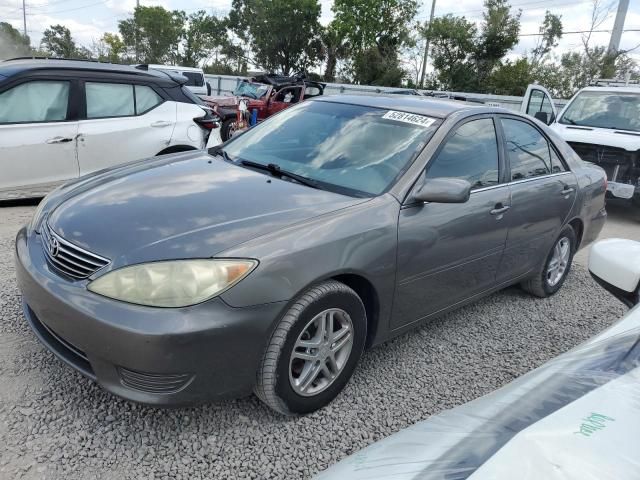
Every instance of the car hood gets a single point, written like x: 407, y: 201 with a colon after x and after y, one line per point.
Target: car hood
x: 192, y: 206
x: 221, y: 100
x: 599, y: 136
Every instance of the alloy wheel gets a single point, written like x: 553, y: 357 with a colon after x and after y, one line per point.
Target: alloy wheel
x: 559, y: 261
x: 321, y: 352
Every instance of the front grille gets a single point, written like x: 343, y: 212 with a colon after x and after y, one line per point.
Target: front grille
x: 68, y: 258
x: 154, y: 382
x: 593, y: 153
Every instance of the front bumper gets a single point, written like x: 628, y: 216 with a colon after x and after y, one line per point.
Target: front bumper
x: 622, y: 190
x: 158, y: 356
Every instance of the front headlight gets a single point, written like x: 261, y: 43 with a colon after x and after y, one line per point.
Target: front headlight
x: 176, y: 283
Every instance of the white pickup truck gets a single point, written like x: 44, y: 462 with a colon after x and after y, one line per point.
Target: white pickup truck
x: 602, y: 124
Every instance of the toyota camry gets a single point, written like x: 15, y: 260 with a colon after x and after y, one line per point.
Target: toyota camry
x: 269, y: 263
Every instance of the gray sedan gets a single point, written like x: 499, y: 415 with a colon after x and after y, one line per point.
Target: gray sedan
x: 269, y: 263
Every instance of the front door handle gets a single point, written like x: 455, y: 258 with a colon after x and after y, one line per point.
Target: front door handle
x: 567, y: 190
x: 500, y: 209
x: 161, y: 123
x: 58, y: 140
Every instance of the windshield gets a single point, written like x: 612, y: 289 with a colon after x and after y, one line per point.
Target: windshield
x: 616, y: 110
x: 357, y: 150
x: 251, y: 90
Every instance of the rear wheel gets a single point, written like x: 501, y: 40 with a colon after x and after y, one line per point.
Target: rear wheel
x: 552, y: 274
x: 313, y: 350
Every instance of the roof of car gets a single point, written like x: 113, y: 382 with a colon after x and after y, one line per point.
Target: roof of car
x: 14, y: 66
x: 430, y: 107
x: 613, y: 88
x: 175, y: 67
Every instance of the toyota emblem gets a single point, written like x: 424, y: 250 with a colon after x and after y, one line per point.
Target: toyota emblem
x: 54, y: 247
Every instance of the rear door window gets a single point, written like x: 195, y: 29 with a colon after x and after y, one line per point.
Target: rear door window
x: 146, y: 99
x: 105, y: 100
x: 528, y: 151
x: 471, y: 153
x: 37, y: 101
x: 109, y: 100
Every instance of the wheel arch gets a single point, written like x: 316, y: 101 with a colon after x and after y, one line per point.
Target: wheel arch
x: 369, y: 296
x: 578, y: 227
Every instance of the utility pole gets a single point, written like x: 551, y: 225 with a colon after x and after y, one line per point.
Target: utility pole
x: 24, y: 17
x: 426, y: 47
x: 616, y: 33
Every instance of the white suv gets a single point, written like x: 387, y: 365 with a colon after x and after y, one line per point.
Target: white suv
x: 602, y: 125
x: 61, y: 119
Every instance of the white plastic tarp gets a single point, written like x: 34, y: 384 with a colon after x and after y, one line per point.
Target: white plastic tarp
x: 575, y: 417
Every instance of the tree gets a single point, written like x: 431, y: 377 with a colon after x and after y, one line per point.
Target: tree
x: 283, y: 34
x: 57, y: 41
x: 203, y: 34
x: 334, y: 47
x: 498, y: 34
x: 550, y: 33
x: 12, y: 42
x: 153, y: 34
x: 453, y: 41
x: 370, y: 25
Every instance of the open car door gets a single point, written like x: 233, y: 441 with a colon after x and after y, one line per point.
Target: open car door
x: 537, y: 103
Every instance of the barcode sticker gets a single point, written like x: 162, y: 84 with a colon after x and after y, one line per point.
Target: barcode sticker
x: 411, y: 118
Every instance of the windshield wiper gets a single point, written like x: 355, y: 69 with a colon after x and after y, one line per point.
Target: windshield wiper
x: 276, y: 171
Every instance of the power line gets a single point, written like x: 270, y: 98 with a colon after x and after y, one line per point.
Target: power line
x: 580, y: 31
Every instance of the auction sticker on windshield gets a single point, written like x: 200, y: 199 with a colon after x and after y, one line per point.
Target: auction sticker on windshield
x: 411, y: 118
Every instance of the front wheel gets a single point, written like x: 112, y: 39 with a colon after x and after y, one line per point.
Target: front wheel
x: 229, y: 126
x: 314, y: 350
x: 552, y: 274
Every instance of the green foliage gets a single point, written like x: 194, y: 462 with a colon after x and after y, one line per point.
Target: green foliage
x: 511, y: 77
x: 452, y: 48
x: 283, y: 34
x: 12, y: 42
x: 373, y: 67
x: 57, y: 42
x: 335, y: 46
x: 153, y: 34
x: 551, y: 32
x: 376, y: 30
x: 203, y: 34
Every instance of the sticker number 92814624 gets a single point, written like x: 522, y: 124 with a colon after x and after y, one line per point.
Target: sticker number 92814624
x: 411, y: 118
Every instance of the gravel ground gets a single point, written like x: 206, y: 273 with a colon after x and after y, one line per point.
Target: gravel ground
x: 55, y: 424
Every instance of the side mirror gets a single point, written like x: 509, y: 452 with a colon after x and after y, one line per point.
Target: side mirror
x: 443, y: 190
x: 542, y: 116
x: 208, y: 89
x: 615, y: 264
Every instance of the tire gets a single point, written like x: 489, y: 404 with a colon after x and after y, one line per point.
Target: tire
x: 547, y: 282
x: 228, y: 126
x: 280, y: 377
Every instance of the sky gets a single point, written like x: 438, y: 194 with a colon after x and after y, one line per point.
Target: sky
x: 89, y: 19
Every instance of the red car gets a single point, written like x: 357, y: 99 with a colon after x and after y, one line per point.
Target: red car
x: 268, y: 94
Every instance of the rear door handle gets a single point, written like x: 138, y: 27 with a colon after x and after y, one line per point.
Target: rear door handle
x: 567, y: 190
x: 58, y: 140
x: 499, y: 210
x: 161, y: 123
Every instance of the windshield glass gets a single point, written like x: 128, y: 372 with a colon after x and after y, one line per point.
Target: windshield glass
x: 358, y: 150
x: 604, y: 110
x: 251, y: 90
